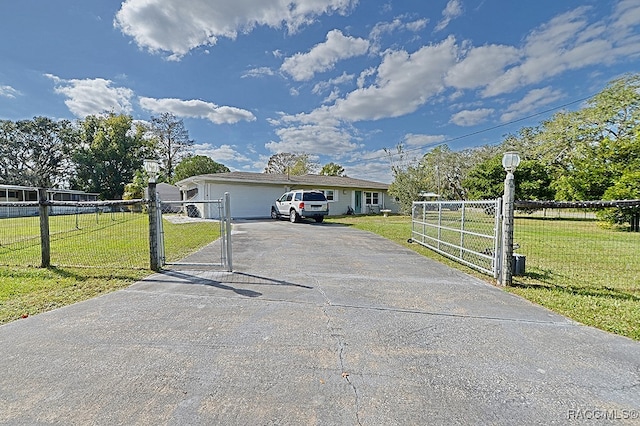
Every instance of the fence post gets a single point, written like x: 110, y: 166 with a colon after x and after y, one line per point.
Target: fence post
x: 153, y: 227
x: 227, y: 214
x: 45, y: 243
x: 506, y: 274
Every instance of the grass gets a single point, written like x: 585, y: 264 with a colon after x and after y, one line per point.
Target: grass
x: 575, y: 268
x: 113, y: 249
x: 29, y: 291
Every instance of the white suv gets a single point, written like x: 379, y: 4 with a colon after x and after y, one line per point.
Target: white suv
x: 299, y: 204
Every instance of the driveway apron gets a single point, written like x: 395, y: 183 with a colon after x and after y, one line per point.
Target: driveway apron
x: 319, y: 324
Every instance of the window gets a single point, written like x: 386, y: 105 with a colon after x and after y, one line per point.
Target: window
x: 371, y: 198
x: 313, y: 196
x: 330, y: 194
x: 191, y: 193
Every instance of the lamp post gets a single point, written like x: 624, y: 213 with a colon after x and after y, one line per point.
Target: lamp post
x: 510, y: 161
x: 152, y: 167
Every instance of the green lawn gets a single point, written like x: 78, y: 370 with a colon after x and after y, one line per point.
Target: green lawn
x: 113, y: 251
x: 575, y: 268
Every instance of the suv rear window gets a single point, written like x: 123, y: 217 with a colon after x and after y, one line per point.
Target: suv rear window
x: 313, y: 196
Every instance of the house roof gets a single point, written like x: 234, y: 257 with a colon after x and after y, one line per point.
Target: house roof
x: 282, y: 179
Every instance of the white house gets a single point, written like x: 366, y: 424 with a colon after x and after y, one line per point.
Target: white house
x: 252, y: 194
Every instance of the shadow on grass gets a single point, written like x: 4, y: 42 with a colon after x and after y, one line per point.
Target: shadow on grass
x: 91, y: 273
x: 547, y: 280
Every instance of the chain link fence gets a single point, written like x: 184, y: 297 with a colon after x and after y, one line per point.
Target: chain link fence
x: 89, y: 234
x: 107, y: 234
x: 565, y: 244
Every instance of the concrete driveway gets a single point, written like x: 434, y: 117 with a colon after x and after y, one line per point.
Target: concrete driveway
x: 319, y: 324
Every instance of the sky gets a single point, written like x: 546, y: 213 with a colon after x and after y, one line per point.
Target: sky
x: 344, y: 81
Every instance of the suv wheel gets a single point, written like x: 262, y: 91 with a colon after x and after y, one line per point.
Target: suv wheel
x: 319, y: 219
x: 293, y: 216
x: 274, y: 214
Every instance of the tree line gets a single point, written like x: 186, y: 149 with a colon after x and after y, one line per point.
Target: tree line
x: 589, y: 154
x: 100, y: 154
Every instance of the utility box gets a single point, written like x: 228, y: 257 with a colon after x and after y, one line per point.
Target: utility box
x: 518, y: 265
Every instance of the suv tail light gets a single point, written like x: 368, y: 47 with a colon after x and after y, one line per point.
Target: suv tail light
x: 301, y: 206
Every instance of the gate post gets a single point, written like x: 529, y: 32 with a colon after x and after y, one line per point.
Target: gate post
x: 510, y: 161
x: 45, y: 242
x: 227, y: 214
x: 154, y: 264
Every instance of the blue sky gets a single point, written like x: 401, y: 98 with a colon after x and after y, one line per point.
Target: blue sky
x: 337, y: 79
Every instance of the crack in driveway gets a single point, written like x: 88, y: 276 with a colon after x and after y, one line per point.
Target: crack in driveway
x: 336, y: 332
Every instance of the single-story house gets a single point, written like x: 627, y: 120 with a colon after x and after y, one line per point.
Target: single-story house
x: 252, y: 194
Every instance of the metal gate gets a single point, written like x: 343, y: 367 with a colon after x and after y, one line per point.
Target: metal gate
x: 466, y: 231
x: 196, y: 218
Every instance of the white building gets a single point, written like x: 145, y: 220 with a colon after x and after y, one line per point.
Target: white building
x: 252, y: 194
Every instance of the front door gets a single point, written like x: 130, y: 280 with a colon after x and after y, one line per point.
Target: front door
x: 358, y: 202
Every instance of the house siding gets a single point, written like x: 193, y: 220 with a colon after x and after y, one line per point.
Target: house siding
x: 253, y: 199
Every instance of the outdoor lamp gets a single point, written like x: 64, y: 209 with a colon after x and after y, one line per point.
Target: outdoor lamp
x: 510, y: 160
x: 152, y: 168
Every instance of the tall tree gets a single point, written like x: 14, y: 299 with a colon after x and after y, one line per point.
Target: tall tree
x: 592, y: 147
x: 111, y: 151
x: 197, y: 165
x: 171, y: 140
x: 332, y: 169
x: 410, y: 178
x: 36, y: 152
x: 10, y: 169
x: 486, y: 180
x: 290, y: 164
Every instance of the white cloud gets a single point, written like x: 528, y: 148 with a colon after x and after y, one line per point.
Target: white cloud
x: 412, y: 139
x: 404, y: 82
x: 258, y: 72
x: 481, y: 66
x: 626, y: 16
x: 196, y: 108
x: 471, y: 117
x: 8, y: 92
x: 370, y: 165
x: 568, y: 42
x: 178, y: 26
x: 450, y: 12
x: 382, y: 28
x: 93, y: 96
x: 324, y: 56
x: 327, y: 85
x: 313, y: 139
x: 533, y: 101
x: 417, y: 25
x: 220, y: 153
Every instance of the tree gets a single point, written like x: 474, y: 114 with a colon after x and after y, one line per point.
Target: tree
x: 171, y: 141
x: 197, y: 165
x: 36, y: 152
x: 410, y: 178
x: 10, y: 168
x: 135, y: 189
x: 332, y: 169
x: 626, y: 188
x: 588, y: 150
x: 111, y: 151
x: 486, y: 180
x: 290, y: 164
